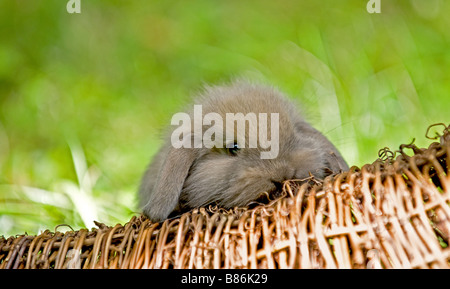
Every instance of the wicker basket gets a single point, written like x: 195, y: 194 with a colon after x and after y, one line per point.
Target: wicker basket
x: 393, y: 213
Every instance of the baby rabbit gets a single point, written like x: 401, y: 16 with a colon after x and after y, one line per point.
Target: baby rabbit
x: 231, y: 172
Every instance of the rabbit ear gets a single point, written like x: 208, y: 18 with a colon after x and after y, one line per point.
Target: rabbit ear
x: 166, y: 191
x: 334, y: 160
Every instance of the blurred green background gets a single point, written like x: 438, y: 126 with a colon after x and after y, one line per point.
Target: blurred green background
x: 83, y: 97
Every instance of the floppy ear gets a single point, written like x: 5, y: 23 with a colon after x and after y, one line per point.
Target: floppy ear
x: 165, y: 193
x: 333, y: 158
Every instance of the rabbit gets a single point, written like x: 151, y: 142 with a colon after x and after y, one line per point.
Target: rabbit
x: 233, y: 174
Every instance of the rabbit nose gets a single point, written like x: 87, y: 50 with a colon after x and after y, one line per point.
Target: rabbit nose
x: 278, y: 185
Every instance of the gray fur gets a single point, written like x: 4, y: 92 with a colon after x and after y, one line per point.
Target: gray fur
x: 181, y: 179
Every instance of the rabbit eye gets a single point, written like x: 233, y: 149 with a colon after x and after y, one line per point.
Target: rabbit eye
x: 232, y: 148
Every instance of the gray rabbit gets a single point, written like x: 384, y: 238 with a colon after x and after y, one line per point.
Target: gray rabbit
x: 232, y: 172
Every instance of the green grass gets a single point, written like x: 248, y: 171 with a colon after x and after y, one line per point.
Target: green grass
x: 83, y: 96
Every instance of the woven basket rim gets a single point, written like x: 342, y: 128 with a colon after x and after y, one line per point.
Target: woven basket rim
x: 392, y: 213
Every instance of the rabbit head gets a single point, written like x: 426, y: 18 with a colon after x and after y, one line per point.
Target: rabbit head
x: 231, y: 171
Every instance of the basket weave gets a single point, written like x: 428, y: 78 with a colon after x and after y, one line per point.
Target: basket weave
x: 393, y: 213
